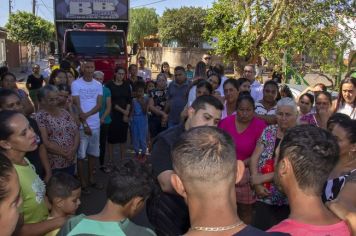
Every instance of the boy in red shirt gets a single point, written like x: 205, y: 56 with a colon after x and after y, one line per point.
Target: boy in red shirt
x: 307, y: 154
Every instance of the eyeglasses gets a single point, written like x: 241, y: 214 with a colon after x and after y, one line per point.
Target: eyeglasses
x: 248, y: 71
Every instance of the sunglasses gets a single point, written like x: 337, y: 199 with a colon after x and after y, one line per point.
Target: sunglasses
x: 207, y: 58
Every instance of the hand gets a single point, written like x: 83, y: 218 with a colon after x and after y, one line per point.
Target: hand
x: 47, y: 177
x: 61, y: 220
x: 126, y: 113
x: 83, y: 116
x: 261, y: 191
x: 164, y: 117
x: 87, y: 131
x: 102, y: 120
x: 257, y: 179
x: 125, y: 118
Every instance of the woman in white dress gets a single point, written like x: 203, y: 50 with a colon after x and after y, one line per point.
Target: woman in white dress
x: 346, y: 102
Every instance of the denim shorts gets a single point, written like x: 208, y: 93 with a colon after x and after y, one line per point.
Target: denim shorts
x: 89, y: 145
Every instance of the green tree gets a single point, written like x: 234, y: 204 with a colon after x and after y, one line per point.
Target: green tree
x: 246, y: 30
x: 185, y: 25
x: 143, y: 22
x: 27, y: 28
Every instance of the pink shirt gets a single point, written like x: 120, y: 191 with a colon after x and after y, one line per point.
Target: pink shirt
x: 296, y: 228
x: 245, y: 142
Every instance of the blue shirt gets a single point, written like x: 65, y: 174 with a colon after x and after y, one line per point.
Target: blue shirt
x: 106, y: 94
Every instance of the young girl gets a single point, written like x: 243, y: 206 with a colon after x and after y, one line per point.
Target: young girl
x: 150, y: 86
x: 57, y: 77
x: 139, y: 120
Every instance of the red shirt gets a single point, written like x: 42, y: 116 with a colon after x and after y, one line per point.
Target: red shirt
x: 295, y: 228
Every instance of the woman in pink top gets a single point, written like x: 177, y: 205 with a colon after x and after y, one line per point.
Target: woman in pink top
x: 245, y: 129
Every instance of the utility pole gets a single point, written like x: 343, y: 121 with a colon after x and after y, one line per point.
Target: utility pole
x: 10, y: 6
x: 34, y: 7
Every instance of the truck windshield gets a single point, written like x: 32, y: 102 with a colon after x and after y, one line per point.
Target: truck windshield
x: 95, y: 42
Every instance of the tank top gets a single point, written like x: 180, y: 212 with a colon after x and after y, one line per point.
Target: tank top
x: 333, y: 187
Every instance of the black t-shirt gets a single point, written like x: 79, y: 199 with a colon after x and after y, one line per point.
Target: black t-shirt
x: 252, y: 231
x: 168, y: 213
x: 34, y: 156
x: 161, y: 149
x: 35, y: 83
x: 120, y: 95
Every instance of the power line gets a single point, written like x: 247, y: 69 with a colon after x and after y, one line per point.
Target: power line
x: 151, y: 3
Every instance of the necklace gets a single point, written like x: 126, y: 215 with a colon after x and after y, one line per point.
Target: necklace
x: 218, y: 229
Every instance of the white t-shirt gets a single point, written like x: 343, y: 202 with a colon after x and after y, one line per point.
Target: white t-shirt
x: 256, y: 91
x: 192, y: 95
x: 46, y: 73
x: 88, y: 93
x: 261, y: 110
x: 347, y: 109
x: 221, y: 87
x: 145, y: 74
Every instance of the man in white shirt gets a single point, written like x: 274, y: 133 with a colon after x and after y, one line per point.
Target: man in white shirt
x: 143, y: 72
x: 87, y: 96
x: 256, y: 87
x: 47, y: 72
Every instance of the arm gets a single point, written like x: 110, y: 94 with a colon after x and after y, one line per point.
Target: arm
x: 28, y: 83
x: 143, y: 104
x: 254, y: 158
x: 45, y: 162
x: 162, y: 164
x: 76, y: 102
x: 270, y: 119
x: 75, y: 145
x: 345, y: 201
x: 95, y: 109
x: 40, y: 228
x: 27, y: 106
x: 154, y: 109
x: 259, y: 188
x: 107, y: 110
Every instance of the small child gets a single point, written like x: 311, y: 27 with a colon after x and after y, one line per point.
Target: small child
x: 63, y: 193
x: 150, y: 86
x: 189, y: 73
x: 139, y: 121
x: 130, y: 184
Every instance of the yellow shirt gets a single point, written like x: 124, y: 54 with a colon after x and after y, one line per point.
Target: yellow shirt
x: 33, y: 192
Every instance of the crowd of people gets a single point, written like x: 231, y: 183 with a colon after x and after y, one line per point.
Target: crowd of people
x: 212, y: 155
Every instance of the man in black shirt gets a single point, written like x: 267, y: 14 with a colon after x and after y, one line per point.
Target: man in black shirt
x: 166, y: 210
x: 205, y: 174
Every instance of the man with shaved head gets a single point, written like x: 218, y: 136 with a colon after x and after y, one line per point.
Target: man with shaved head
x: 205, y: 174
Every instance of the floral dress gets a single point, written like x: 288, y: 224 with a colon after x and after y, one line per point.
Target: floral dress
x: 60, y: 130
x: 268, y: 139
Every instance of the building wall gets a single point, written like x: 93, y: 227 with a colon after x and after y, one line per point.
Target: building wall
x: 175, y: 56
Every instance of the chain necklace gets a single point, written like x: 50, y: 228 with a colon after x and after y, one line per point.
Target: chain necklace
x: 217, y: 229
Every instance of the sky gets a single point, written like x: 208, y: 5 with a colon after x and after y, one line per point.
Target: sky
x: 45, y: 7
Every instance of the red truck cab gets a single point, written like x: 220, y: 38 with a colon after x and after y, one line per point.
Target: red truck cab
x: 95, y: 30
